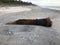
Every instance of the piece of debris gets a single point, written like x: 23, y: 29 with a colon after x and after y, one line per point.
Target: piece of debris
x: 41, y: 22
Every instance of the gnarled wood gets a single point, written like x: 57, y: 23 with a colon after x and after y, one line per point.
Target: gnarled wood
x: 41, y: 22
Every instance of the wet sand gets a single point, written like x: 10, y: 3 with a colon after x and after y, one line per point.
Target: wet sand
x: 30, y: 35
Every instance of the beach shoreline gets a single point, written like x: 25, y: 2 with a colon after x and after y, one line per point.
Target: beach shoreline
x: 30, y: 34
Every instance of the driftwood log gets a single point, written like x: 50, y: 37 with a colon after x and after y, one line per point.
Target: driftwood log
x: 41, y: 22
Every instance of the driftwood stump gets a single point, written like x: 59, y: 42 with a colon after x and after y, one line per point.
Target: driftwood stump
x: 41, y: 22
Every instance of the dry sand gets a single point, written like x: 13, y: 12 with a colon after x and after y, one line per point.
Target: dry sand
x: 30, y: 12
x: 13, y: 9
x: 30, y: 35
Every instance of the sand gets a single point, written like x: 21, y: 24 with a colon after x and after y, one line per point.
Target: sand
x: 13, y: 9
x: 30, y: 34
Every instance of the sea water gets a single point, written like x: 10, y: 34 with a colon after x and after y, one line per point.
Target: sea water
x: 50, y: 4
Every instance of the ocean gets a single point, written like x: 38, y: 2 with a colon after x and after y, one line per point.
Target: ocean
x: 50, y: 4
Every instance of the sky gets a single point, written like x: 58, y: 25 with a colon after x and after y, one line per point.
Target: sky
x: 44, y: 2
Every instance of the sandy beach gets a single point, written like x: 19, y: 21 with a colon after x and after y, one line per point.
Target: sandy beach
x: 29, y: 35
x: 29, y: 12
x: 12, y: 9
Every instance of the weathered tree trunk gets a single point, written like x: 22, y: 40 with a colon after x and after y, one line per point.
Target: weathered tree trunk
x: 41, y: 22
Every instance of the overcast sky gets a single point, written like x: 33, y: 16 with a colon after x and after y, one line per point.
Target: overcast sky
x: 45, y: 2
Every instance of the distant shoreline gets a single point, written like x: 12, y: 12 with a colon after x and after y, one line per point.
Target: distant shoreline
x: 16, y: 3
x: 57, y: 8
